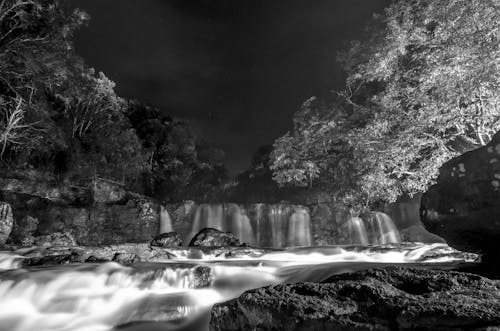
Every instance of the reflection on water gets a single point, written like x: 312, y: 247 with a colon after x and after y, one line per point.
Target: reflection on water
x: 173, y: 295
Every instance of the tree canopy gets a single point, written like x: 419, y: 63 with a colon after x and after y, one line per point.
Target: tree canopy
x: 61, y: 117
x: 422, y: 87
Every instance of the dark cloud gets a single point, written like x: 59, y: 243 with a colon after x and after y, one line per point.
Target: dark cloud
x: 238, y: 70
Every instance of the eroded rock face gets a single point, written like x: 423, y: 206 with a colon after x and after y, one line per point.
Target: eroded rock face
x: 56, y: 239
x: 387, y: 299
x: 6, y: 221
x: 167, y: 240
x: 212, y: 238
x: 464, y: 206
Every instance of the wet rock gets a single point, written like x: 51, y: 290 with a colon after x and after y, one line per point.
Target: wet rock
x: 417, y: 233
x: 93, y: 259
x: 386, y: 299
x: 23, y: 231
x: 212, y: 238
x: 49, y: 255
x: 167, y: 240
x: 126, y: 258
x: 56, y: 239
x: 463, y: 207
x: 40, y: 256
x: 6, y: 222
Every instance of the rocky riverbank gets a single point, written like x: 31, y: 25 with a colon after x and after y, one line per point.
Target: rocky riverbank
x: 384, y: 299
x: 464, y: 206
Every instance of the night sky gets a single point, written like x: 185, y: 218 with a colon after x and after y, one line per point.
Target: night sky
x: 237, y: 70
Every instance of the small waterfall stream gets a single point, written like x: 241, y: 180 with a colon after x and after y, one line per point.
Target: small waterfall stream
x: 165, y: 221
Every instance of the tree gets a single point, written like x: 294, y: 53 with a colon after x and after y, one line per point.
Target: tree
x: 58, y: 114
x: 423, y: 87
x: 35, y: 46
x: 180, y: 165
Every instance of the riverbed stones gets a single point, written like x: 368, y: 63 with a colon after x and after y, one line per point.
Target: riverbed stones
x: 167, y: 240
x: 383, y: 299
x: 209, y: 237
x: 6, y: 221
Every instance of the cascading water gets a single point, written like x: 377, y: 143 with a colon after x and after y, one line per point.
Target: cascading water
x: 259, y: 222
x: 165, y: 221
x: 299, y: 231
x: 382, y: 229
x: 278, y: 219
x: 240, y: 224
x: 178, y: 295
x: 356, y: 230
x: 10, y: 261
x: 372, y: 229
x: 208, y: 216
x: 285, y: 225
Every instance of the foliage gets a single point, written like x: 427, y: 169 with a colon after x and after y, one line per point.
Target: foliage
x: 60, y: 116
x: 180, y: 165
x: 423, y: 87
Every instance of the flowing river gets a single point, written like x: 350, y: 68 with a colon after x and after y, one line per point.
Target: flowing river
x: 177, y: 294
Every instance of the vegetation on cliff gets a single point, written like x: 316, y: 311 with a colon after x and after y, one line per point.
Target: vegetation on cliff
x: 60, y: 117
x: 423, y: 87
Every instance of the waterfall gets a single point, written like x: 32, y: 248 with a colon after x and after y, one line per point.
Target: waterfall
x: 299, y: 230
x: 240, y: 224
x: 357, y: 231
x: 285, y: 225
x: 278, y: 220
x: 207, y: 216
x: 165, y: 221
x: 385, y: 232
x: 373, y: 229
x: 259, y: 214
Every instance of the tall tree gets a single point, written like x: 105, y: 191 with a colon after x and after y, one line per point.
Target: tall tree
x: 57, y: 113
x: 422, y: 87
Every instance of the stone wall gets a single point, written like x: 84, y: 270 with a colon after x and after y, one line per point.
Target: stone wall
x: 102, y: 213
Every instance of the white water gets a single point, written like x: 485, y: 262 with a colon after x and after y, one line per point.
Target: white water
x: 278, y: 221
x: 299, y: 231
x: 165, y: 221
x: 101, y: 297
x: 356, y: 229
x: 284, y: 225
x: 241, y: 226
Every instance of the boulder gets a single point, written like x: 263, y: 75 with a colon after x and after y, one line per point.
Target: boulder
x: 6, y: 222
x: 463, y: 207
x: 167, y: 240
x: 212, y: 238
x: 383, y: 299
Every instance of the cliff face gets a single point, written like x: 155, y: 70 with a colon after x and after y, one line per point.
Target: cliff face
x: 463, y: 207
x: 98, y: 214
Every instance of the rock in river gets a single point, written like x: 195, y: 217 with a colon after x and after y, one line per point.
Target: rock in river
x: 167, y: 240
x: 380, y: 299
x: 212, y: 237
